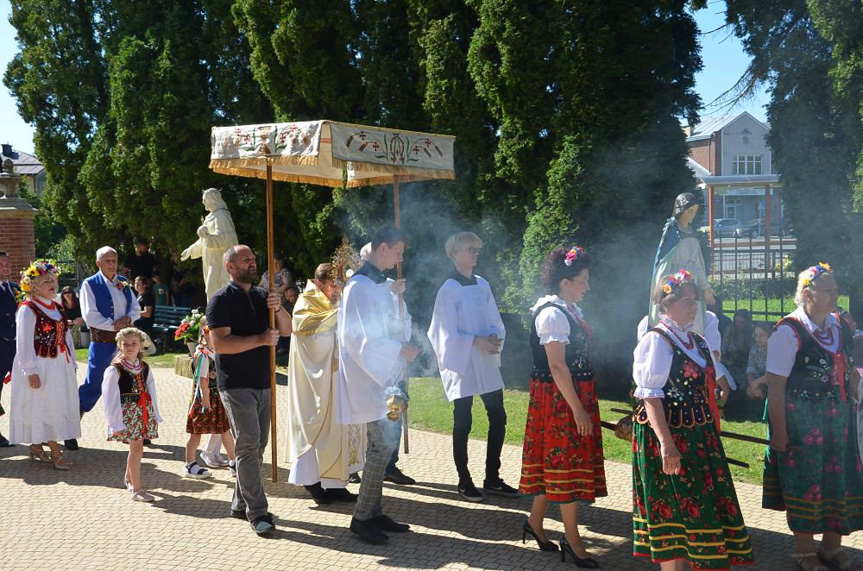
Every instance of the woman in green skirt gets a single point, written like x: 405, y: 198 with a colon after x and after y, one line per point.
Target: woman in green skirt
x: 812, y: 470
x: 684, y: 504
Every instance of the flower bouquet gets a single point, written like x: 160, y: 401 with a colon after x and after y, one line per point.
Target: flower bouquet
x: 190, y: 328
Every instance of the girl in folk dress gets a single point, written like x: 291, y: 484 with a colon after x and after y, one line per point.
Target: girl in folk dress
x: 129, y: 397
x: 206, y: 414
x: 562, y: 460
x: 684, y: 504
x: 44, y: 388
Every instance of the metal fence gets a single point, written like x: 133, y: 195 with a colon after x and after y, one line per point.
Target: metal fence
x: 754, y: 274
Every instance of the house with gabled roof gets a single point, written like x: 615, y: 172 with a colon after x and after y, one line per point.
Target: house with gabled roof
x: 26, y: 165
x: 730, y: 158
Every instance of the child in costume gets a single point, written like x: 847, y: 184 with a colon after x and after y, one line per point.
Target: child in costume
x: 206, y: 414
x: 131, y: 408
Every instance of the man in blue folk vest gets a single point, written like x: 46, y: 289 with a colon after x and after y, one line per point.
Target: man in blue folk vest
x: 107, y: 305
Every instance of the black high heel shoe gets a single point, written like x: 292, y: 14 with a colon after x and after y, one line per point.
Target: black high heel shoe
x: 586, y: 563
x: 543, y: 545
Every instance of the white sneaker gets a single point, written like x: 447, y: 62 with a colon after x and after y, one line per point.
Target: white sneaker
x: 193, y: 470
x: 211, y: 460
x: 222, y: 460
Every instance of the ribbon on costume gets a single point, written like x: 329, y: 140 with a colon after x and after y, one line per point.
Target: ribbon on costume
x: 143, y: 400
x: 710, y: 377
x: 837, y: 374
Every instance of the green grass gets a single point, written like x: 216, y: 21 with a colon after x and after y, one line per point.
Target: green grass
x: 430, y: 410
x: 771, y: 305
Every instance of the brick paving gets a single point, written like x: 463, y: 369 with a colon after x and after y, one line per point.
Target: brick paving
x: 84, y: 519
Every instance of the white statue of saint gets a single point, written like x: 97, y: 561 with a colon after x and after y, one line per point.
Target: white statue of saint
x: 215, y: 235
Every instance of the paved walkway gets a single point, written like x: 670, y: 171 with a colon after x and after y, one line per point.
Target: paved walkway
x: 84, y: 519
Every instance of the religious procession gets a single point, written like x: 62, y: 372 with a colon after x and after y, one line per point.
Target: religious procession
x: 419, y: 285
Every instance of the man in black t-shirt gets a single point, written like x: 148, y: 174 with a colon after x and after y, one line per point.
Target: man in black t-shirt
x: 238, y: 318
x: 142, y: 262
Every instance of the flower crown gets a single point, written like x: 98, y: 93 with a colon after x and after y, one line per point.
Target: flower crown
x: 811, y: 274
x: 146, y: 342
x: 35, y: 270
x: 575, y: 253
x: 673, y: 283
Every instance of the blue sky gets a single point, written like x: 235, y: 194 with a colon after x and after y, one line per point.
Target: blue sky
x: 724, y: 62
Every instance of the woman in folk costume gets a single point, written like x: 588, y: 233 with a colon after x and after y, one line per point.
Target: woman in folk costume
x: 44, y: 387
x: 467, y: 334
x: 322, y: 452
x: 812, y: 470
x: 131, y: 409
x: 562, y: 460
x: 680, y: 249
x: 206, y: 413
x: 684, y: 504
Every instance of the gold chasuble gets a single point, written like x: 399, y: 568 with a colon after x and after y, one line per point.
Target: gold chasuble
x: 313, y: 373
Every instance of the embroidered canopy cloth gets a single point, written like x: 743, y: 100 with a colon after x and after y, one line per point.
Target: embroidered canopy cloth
x: 331, y: 153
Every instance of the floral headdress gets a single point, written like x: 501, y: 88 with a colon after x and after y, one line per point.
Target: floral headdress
x: 147, y: 346
x: 811, y: 274
x: 575, y: 253
x: 34, y: 271
x: 673, y: 283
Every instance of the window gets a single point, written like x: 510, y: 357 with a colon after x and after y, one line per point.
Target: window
x: 746, y: 164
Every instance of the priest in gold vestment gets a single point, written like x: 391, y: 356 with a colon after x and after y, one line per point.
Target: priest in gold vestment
x: 321, y: 452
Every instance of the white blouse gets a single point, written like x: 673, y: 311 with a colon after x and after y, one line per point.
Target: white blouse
x: 782, y: 346
x: 653, y: 357
x: 551, y: 323
x: 111, y: 398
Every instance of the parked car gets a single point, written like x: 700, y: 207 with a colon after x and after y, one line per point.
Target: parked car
x: 725, y: 227
x: 755, y: 227
x: 751, y: 229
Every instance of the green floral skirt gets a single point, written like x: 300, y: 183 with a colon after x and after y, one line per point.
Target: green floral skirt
x: 819, y: 480
x: 694, y: 515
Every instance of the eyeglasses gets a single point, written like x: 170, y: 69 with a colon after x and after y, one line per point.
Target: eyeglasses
x: 476, y: 251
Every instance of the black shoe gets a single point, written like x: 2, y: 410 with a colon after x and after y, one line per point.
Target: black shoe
x: 263, y: 524
x: 469, y: 493
x: 368, y: 531
x: 385, y: 523
x: 71, y: 444
x: 4, y: 442
x: 543, y: 545
x: 500, y: 489
x: 586, y: 563
x: 397, y: 477
x: 239, y: 514
x: 340, y: 495
x: 355, y: 478
x: 318, y: 494
x: 147, y: 442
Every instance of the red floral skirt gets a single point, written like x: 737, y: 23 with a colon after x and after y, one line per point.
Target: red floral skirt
x: 556, y: 461
x: 213, y: 420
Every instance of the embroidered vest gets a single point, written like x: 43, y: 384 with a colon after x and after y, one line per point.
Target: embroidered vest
x: 104, y: 301
x: 686, y: 401
x: 578, y: 352
x: 49, y: 335
x: 818, y: 373
x: 132, y: 384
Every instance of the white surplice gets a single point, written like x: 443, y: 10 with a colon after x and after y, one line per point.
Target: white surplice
x: 370, y: 338
x: 462, y: 313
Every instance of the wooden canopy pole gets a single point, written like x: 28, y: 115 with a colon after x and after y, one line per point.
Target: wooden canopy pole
x: 271, y: 270
x: 400, y: 275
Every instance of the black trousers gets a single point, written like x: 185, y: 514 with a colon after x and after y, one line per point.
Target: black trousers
x: 462, y: 421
